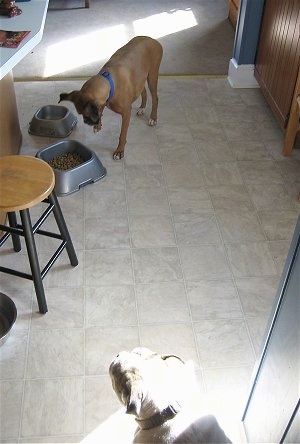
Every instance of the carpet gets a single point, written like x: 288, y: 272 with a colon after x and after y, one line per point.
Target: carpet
x: 196, y: 35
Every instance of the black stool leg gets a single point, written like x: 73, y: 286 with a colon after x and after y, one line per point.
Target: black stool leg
x: 63, y: 228
x: 12, y: 219
x: 33, y: 260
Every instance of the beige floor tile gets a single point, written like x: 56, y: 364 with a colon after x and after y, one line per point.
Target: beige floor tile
x: 106, y: 232
x: 110, y: 305
x: 189, y: 200
x: 152, y: 202
x: 259, y: 171
x: 215, y: 151
x: 207, y: 132
x: 239, y: 225
x: 142, y: 154
x: 249, y: 150
x: 162, y: 303
x: 178, y: 152
x: 156, y: 265
x: 173, y: 134
x: 65, y: 309
x: 213, y: 300
x: 229, y: 197
x: 143, y: 176
x: 270, y: 198
x: 183, y: 175
x: 205, y: 262
x: 11, y: 397
x: 102, y: 267
x: 53, y: 407
x: 223, y: 343
x: 225, y: 173
x: 108, y: 202
x: 257, y: 294
x: 56, y: 352
x: 278, y: 225
x: 251, y: 259
x: 196, y: 229
x: 150, y: 231
x: 13, y: 355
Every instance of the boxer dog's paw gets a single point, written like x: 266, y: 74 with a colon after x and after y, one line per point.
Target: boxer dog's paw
x: 152, y: 122
x: 118, y: 155
x: 140, y: 112
x: 97, y: 128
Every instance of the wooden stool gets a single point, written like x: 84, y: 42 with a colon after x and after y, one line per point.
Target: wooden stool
x: 26, y: 181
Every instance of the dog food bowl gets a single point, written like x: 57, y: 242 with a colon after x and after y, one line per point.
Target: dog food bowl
x: 52, y: 121
x: 8, y: 316
x: 70, y: 180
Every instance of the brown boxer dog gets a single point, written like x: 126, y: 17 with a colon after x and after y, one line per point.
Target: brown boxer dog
x: 118, y: 84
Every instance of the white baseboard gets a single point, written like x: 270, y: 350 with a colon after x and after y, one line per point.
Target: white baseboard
x: 241, y: 76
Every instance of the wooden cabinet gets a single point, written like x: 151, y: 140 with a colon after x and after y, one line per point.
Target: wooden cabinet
x: 277, y: 58
x: 11, y: 137
x: 233, y: 10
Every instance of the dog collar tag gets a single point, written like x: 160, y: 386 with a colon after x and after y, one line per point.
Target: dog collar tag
x: 159, y: 418
x: 112, y: 85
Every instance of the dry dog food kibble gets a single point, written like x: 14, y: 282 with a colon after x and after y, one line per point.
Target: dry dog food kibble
x: 66, y: 161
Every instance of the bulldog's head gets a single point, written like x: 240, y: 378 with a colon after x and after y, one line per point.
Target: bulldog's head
x: 146, y: 382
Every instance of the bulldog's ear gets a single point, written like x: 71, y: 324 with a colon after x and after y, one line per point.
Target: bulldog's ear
x: 134, y: 401
x: 68, y: 96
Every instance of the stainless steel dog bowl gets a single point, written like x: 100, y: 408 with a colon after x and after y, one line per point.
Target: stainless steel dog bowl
x: 52, y: 121
x: 71, y: 180
x: 8, y: 316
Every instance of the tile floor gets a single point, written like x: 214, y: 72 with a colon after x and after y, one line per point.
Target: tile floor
x: 180, y: 249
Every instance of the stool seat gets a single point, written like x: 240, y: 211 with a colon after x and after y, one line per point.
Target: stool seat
x: 24, y: 182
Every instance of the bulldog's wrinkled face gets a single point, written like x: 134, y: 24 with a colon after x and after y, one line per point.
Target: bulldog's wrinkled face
x: 141, y: 377
x: 126, y: 373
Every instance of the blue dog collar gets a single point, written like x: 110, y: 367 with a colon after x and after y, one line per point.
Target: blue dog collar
x: 111, y: 82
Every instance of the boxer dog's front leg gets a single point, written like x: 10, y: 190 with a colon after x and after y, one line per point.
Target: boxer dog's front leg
x: 119, y: 153
x: 142, y: 107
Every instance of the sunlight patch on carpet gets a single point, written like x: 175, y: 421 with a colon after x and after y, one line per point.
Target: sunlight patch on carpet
x: 166, y: 23
x: 99, y: 46
x: 84, y: 49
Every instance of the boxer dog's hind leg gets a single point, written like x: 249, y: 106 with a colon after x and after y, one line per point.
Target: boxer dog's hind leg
x: 152, y: 83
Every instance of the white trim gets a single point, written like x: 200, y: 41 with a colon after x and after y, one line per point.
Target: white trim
x: 241, y: 76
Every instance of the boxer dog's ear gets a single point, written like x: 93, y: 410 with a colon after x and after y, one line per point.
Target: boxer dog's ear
x: 93, y: 111
x: 68, y: 96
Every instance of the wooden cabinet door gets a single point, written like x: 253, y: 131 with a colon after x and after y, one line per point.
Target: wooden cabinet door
x: 277, y: 58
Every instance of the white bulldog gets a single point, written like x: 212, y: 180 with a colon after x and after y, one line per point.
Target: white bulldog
x: 157, y: 390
